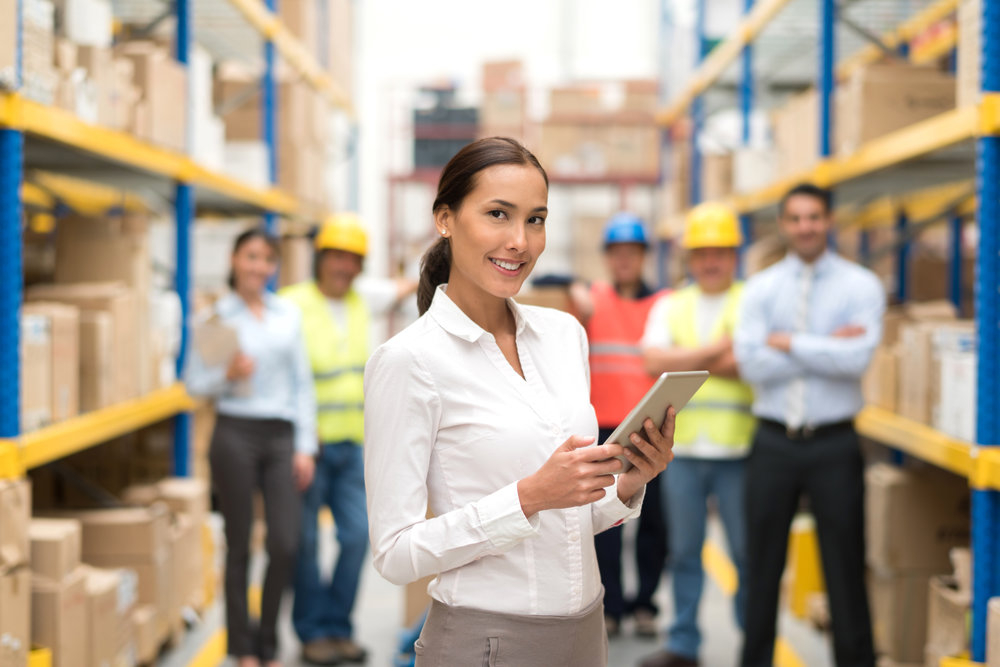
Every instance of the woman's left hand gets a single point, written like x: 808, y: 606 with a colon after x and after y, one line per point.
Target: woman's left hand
x: 303, y: 467
x: 648, y: 455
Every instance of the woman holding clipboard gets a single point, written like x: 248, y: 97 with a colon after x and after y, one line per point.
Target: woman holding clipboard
x: 480, y: 411
x: 265, y: 434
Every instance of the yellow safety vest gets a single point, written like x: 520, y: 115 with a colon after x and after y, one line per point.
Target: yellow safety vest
x: 338, y: 360
x: 720, y: 411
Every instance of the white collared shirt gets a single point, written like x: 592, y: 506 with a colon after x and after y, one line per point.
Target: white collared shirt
x: 451, y: 426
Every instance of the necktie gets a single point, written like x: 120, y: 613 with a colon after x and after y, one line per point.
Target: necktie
x: 795, y: 415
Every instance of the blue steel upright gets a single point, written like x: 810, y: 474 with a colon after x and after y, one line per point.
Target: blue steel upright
x: 184, y: 217
x: 827, y: 54
x: 746, y: 111
x: 11, y: 274
x: 986, y: 503
x: 697, y: 108
x: 269, y: 126
x: 902, y: 259
x: 11, y: 209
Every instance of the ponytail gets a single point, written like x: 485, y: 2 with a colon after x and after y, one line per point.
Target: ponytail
x: 434, y: 270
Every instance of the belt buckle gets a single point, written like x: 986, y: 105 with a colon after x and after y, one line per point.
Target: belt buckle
x: 800, y: 433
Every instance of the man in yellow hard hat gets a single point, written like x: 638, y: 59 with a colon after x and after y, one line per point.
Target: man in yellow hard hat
x: 692, y: 329
x: 335, y: 322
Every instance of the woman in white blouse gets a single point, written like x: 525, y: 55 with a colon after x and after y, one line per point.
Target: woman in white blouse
x: 481, y: 411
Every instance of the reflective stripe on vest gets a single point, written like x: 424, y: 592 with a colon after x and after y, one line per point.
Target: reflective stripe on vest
x: 617, y: 376
x: 720, y: 411
x: 338, y: 361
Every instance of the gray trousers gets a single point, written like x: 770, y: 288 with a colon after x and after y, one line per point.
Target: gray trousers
x: 459, y: 636
x: 246, y: 455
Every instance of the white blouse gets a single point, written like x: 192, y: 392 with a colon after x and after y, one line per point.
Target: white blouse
x: 450, y: 426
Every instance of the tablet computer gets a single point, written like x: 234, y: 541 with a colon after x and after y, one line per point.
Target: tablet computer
x: 674, y: 389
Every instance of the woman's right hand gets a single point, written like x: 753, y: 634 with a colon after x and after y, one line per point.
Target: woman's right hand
x: 576, y: 474
x: 240, y: 368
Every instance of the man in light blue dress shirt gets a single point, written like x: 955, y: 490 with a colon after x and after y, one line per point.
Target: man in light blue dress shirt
x: 808, y: 329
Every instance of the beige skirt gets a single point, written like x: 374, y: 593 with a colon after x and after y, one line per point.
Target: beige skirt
x: 463, y: 637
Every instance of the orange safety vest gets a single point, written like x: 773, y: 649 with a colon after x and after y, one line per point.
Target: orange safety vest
x: 617, y: 377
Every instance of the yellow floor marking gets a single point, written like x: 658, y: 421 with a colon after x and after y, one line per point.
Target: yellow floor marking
x: 720, y: 568
x: 212, y: 653
x: 785, y: 655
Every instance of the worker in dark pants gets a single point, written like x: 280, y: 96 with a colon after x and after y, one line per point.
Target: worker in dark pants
x: 808, y: 329
x: 615, y: 316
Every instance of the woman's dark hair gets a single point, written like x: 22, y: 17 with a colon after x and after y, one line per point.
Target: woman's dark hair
x: 246, y: 237
x: 457, y: 180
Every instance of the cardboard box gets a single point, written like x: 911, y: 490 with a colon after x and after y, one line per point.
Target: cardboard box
x: 880, y: 98
x: 880, y: 383
x: 145, y: 633
x: 56, y: 546
x: 634, y: 151
x: 948, y: 610
x: 993, y: 633
x: 503, y: 75
x: 137, y: 532
x: 915, y: 370
x: 340, y: 42
x: 86, y: 22
x: 15, y: 617
x: 899, y: 614
x: 119, y: 302
x: 574, y: 101
x: 15, y: 515
x: 64, y: 329
x: 8, y: 46
x: 162, y: 84
x: 717, y: 176
x: 296, y: 263
x: 954, y: 376
x: 59, y: 617
x: 97, y: 352
x: 502, y: 113
x: 113, y: 249
x: 36, y: 371
x: 188, y: 567
x: 155, y: 584
x: 186, y: 495
x: 796, y: 134
x: 914, y: 518
x: 108, y: 625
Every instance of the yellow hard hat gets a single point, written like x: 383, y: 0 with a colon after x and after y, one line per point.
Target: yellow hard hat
x: 343, y: 231
x: 711, y: 225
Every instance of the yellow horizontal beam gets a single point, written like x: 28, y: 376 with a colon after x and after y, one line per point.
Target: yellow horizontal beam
x: 937, y: 47
x: 960, y: 662
x: 85, y: 197
x: 292, y: 50
x: 902, y: 34
x: 32, y: 195
x: 64, y: 127
x: 73, y: 435
x: 212, y: 653
x: 916, y: 439
x: 721, y: 57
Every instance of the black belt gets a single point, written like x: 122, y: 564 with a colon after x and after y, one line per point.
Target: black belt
x: 808, y: 432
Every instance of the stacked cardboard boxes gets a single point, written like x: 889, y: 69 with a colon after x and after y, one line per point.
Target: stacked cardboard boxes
x: 302, y: 133
x: 583, y: 138
x: 503, y: 110
x: 15, y: 575
x: 60, y: 355
x: 37, y: 49
x: 880, y: 98
x: 136, y: 539
x: 914, y: 518
x: 59, y: 594
x: 162, y: 83
x: 949, y: 604
x: 796, y: 134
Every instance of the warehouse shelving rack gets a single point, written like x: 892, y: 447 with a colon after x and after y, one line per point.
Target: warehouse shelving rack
x: 60, y: 144
x: 960, y: 145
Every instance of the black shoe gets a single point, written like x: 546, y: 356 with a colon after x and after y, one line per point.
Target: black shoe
x: 668, y: 659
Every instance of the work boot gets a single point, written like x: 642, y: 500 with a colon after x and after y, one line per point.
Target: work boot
x: 668, y: 659
x: 321, y: 652
x: 645, y: 624
x: 348, y: 650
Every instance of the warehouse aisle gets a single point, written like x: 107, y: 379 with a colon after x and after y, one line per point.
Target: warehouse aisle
x: 380, y: 608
